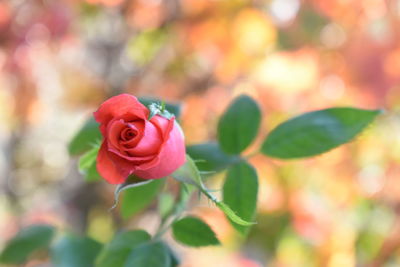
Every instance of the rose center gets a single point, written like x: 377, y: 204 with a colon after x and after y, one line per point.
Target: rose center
x: 128, y: 134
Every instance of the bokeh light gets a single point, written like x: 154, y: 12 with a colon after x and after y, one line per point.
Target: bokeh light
x: 60, y: 58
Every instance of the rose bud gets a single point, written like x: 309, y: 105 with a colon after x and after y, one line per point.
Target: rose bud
x: 133, y: 144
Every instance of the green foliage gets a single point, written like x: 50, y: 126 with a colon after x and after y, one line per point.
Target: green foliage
x: 374, y: 223
x: 368, y: 244
x: 87, y: 165
x: 86, y: 138
x: 144, y: 47
x: 174, y: 108
x: 189, y: 173
x: 73, y: 251
x: 192, y: 231
x: 239, y: 125
x: 303, y: 136
x: 210, y: 158
x: 131, y: 182
x: 27, y: 241
x: 117, y: 251
x: 175, y: 261
x: 240, y: 192
x: 232, y: 215
x: 91, y: 174
x: 153, y: 254
x: 88, y: 158
x: 137, y: 198
x: 185, y: 192
x: 316, y: 132
x: 166, y: 203
x: 311, y: 24
x: 159, y: 109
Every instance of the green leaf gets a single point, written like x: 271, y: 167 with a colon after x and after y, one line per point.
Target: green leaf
x: 73, y: 251
x: 239, y: 125
x: 175, y: 261
x: 137, y: 198
x: 316, y: 132
x: 158, y: 109
x: 154, y: 109
x: 192, y: 231
x: 188, y: 173
x: 153, y: 254
x: 86, y: 138
x: 131, y: 182
x: 87, y: 165
x: 210, y: 158
x: 174, y: 108
x: 117, y: 251
x: 232, y: 215
x: 27, y: 241
x: 91, y: 174
x: 240, y: 192
x: 88, y: 158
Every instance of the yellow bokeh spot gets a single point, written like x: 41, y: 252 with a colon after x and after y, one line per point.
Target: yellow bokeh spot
x: 100, y: 225
x: 289, y: 72
x: 253, y: 31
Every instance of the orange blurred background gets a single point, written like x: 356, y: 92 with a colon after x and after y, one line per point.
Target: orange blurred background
x: 60, y: 59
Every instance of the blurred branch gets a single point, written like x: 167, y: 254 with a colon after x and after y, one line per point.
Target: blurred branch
x: 10, y: 166
x: 390, y: 244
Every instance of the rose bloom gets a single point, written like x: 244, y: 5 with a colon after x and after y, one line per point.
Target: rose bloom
x: 132, y: 144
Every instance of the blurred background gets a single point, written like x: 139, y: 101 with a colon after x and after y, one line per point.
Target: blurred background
x: 59, y: 59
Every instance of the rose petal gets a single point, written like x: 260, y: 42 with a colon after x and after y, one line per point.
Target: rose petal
x: 129, y: 133
x: 150, y: 142
x: 163, y: 124
x: 117, y: 106
x: 130, y: 159
x: 108, y: 169
x: 170, y: 158
x: 137, y: 126
x: 114, y: 131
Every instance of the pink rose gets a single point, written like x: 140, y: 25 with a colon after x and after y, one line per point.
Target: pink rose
x: 132, y: 144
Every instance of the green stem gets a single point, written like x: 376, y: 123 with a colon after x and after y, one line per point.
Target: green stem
x: 162, y: 229
x: 166, y: 223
